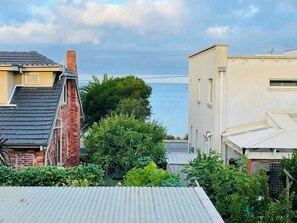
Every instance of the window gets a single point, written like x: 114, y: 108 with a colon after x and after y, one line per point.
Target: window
x: 58, y: 152
x: 199, y: 90
x: 32, y: 78
x: 283, y: 83
x: 210, y: 99
x: 64, y: 95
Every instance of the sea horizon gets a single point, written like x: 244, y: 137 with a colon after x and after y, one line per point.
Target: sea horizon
x: 169, y: 101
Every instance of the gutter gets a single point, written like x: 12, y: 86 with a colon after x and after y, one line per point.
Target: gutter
x: 222, y: 71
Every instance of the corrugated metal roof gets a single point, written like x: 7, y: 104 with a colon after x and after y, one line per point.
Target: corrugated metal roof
x: 180, y: 158
x: 283, y: 137
x: 105, y: 204
x: 247, y: 139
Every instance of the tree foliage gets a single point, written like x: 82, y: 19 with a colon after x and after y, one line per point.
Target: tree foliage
x: 119, y: 141
x: 4, y: 154
x: 237, y: 195
x: 151, y: 176
x: 133, y: 107
x: 290, y: 164
x: 101, y: 98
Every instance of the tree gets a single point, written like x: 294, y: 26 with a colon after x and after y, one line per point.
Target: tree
x: 136, y: 107
x: 290, y: 164
x: 119, y: 141
x: 4, y: 154
x: 150, y: 175
x: 101, y: 98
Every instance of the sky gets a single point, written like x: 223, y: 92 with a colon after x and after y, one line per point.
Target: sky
x: 145, y: 37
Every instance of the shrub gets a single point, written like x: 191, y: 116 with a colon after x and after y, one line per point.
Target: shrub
x: 90, y: 175
x: 151, y: 176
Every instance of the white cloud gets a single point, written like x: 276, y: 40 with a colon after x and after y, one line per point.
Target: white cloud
x: 251, y: 11
x: 30, y: 32
x: 77, y: 21
x: 220, y: 32
x: 141, y: 16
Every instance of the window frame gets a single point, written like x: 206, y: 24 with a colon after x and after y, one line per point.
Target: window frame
x: 198, y: 93
x: 30, y: 82
x: 210, y: 92
x: 282, y: 87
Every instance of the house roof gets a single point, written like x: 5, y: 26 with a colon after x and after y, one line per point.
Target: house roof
x: 180, y: 158
x: 106, y: 204
x: 30, y: 118
x: 280, y: 136
x: 25, y: 59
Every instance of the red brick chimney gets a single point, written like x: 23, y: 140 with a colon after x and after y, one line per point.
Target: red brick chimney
x: 71, y: 60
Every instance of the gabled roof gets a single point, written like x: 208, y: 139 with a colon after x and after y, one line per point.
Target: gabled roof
x: 30, y: 122
x: 25, y: 59
x: 107, y: 204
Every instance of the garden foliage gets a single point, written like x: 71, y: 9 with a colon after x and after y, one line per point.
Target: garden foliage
x: 151, y: 176
x: 118, y: 142
x: 237, y: 195
x: 90, y: 175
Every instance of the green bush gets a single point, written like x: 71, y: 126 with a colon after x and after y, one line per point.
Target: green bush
x: 90, y: 175
x: 151, y: 176
x: 119, y: 141
x: 237, y: 195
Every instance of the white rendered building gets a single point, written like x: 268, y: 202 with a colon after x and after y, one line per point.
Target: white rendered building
x: 243, y: 105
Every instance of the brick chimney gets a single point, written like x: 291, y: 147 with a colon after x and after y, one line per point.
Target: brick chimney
x: 71, y: 60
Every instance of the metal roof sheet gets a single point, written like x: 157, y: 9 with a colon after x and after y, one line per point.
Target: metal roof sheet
x: 180, y: 158
x: 106, y: 204
x: 283, y: 137
x: 247, y: 139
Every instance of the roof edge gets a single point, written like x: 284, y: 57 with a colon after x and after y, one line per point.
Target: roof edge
x: 209, y: 48
x: 263, y: 57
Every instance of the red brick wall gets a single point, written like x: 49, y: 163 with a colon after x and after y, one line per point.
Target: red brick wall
x: 71, y: 60
x: 27, y: 157
x: 70, y: 116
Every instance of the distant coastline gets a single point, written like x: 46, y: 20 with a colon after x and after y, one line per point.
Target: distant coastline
x: 152, y: 78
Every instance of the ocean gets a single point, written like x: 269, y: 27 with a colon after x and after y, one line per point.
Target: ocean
x: 169, y: 101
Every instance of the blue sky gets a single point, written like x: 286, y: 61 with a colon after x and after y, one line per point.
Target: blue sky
x: 150, y: 37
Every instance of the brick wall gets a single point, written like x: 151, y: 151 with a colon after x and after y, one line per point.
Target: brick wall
x: 27, y: 157
x: 70, y: 116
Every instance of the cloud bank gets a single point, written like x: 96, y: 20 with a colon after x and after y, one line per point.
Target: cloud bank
x: 74, y: 22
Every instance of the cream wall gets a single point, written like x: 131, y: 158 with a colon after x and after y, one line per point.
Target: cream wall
x: 203, y: 117
x: 46, y: 79
x: 249, y: 95
x: 3, y: 87
x: 10, y: 83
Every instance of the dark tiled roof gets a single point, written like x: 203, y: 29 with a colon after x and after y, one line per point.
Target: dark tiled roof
x: 30, y: 122
x: 25, y: 58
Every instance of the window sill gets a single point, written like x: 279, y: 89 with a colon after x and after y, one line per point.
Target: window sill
x: 282, y: 88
